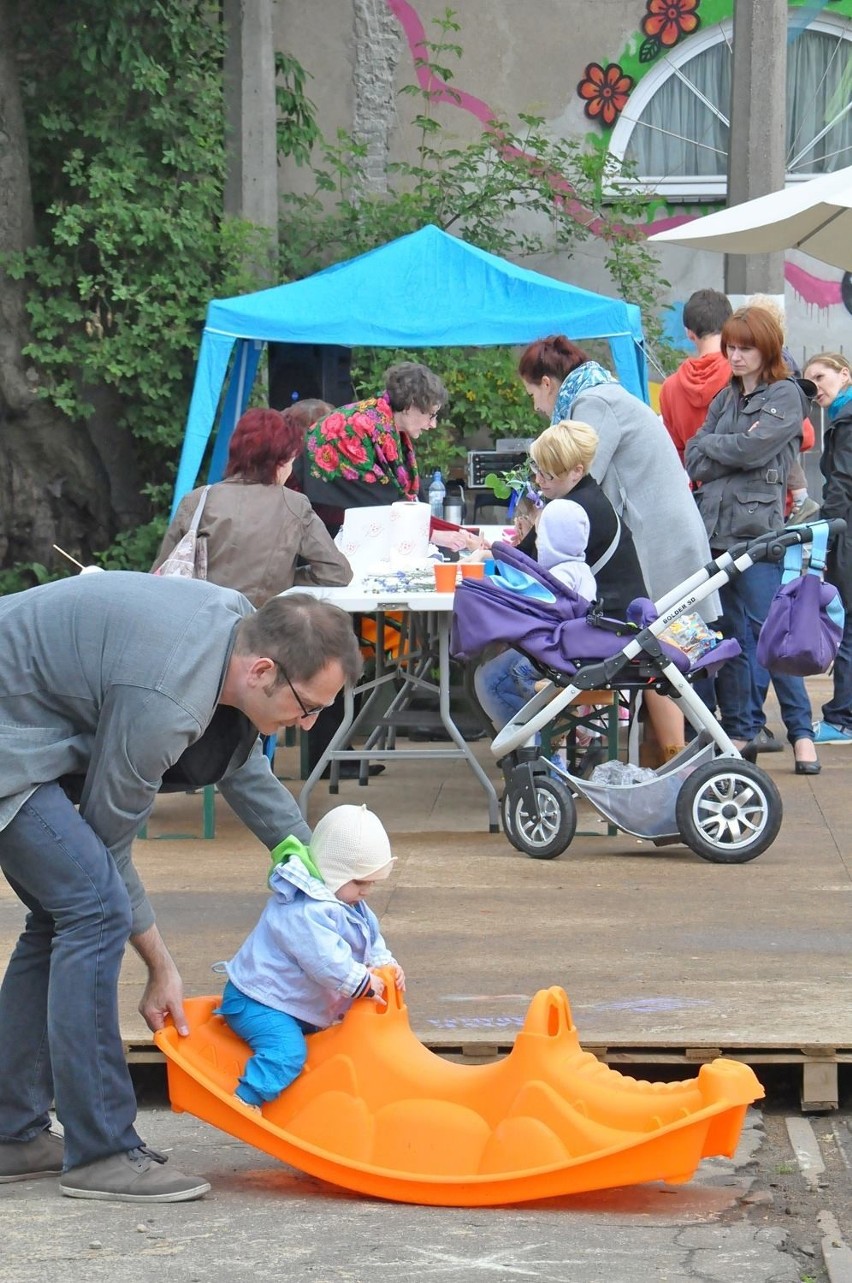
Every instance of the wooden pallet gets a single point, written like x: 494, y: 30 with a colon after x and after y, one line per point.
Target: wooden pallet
x: 820, y: 1087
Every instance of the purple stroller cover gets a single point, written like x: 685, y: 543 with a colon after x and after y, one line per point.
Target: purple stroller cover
x: 553, y: 633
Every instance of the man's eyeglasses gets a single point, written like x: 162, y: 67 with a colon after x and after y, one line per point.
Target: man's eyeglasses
x: 306, y: 712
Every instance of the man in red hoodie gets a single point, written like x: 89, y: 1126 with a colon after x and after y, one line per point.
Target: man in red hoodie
x: 686, y: 394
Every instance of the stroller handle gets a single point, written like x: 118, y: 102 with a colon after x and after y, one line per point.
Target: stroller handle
x: 771, y: 547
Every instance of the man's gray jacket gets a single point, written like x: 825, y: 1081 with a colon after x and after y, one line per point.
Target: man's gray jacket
x: 110, y: 683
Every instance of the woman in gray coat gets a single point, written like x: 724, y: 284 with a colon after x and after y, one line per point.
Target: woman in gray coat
x: 636, y: 465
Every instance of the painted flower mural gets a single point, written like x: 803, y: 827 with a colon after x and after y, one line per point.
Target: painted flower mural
x: 668, y: 20
x: 605, y: 91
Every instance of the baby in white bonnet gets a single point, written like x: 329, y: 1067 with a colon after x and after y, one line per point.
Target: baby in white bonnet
x: 561, y: 539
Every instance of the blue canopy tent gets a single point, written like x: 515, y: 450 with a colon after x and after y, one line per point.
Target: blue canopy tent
x: 427, y: 289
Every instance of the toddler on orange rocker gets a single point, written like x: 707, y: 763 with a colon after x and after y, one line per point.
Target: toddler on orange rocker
x: 312, y: 951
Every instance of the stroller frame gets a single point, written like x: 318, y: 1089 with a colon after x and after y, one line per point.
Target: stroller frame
x: 722, y: 806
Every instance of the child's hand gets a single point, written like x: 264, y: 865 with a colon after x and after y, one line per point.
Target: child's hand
x: 377, y: 985
x: 399, y: 977
x: 475, y: 543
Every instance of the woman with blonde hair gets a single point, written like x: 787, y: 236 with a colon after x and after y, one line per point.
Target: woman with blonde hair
x: 562, y: 458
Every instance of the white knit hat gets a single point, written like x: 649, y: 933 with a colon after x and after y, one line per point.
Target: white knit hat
x: 350, y: 844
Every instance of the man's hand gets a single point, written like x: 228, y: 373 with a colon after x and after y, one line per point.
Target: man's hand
x: 163, y: 996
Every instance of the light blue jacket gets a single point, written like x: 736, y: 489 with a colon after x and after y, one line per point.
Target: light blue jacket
x: 309, y: 954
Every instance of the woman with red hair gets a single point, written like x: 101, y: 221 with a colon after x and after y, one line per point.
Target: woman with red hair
x: 258, y: 531
x: 740, y: 460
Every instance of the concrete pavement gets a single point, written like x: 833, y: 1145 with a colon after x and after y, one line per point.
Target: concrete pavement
x: 663, y: 956
x: 265, y: 1221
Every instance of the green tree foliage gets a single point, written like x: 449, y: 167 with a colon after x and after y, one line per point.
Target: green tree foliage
x: 125, y: 129
x: 125, y: 120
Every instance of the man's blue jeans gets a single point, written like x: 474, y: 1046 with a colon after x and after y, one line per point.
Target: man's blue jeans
x: 59, y: 1028
x: 742, y: 683
x: 276, y: 1039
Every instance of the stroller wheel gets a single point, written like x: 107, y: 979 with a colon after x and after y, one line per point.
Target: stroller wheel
x: 545, y: 834
x: 728, y: 811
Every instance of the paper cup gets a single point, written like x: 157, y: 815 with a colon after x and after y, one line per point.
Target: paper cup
x: 473, y: 570
x: 445, y: 576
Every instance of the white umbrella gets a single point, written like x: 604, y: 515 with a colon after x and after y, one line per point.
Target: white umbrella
x: 815, y: 217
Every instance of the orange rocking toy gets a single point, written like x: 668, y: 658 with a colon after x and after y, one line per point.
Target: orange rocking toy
x: 376, y: 1112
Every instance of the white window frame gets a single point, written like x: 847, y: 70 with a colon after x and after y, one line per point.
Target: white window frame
x: 701, y: 187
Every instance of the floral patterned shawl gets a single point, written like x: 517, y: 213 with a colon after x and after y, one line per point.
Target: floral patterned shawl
x: 356, y: 457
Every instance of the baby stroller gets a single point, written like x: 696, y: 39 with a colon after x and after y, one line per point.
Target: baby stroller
x: 723, y: 807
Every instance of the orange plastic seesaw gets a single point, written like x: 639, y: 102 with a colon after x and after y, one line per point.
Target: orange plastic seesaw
x: 376, y: 1112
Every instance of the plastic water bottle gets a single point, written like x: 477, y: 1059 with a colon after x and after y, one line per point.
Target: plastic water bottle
x: 437, y: 492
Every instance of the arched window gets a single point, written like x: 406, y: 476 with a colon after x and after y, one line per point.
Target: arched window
x: 674, y: 128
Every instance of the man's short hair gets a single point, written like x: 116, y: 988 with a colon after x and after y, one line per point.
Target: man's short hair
x: 303, y: 634
x: 705, y: 312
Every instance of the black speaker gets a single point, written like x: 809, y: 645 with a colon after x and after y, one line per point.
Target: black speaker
x: 298, y: 371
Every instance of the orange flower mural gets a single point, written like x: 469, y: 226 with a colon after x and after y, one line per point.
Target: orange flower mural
x: 668, y: 20
x: 605, y: 90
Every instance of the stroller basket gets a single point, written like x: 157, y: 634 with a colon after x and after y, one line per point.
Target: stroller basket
x: 724, y: 808
x: 646, y: 809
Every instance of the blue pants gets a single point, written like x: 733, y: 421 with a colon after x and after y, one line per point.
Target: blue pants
x: 59, y: 1029
x: 504, y: 684
x: 838, y: 710
x: 277, y: 1040
x: 742, y: 683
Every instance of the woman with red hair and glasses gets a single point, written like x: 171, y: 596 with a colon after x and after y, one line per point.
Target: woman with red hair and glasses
x: 740, y: 460
x: 261, y: 537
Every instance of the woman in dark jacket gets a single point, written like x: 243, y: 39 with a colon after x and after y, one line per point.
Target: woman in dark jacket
x: 832, y: 375
x: 561, y: 458
x: 741, y: 458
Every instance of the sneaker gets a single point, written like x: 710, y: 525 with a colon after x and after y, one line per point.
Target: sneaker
x: 825, y: 733
x: 802, y: 512
x: 137, y: 1176
x: 27, y: 1160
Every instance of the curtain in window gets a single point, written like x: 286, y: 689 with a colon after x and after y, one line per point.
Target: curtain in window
x: 819, y: 87
x: 679, y: 136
